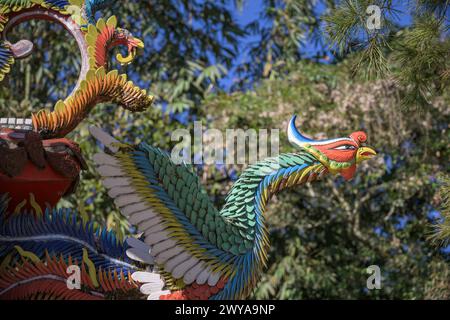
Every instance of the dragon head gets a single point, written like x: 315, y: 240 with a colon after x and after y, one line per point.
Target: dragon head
x: 340, y: 155
x: 126, y: 38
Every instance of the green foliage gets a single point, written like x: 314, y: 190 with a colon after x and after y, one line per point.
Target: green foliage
x: 282, y: 28
x: 442, y: 232
x: 419, y: 53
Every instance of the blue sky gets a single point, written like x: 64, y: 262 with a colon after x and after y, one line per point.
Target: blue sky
x: 252, y: 9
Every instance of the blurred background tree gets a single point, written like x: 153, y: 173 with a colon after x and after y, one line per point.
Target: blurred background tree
x: 252, y: 64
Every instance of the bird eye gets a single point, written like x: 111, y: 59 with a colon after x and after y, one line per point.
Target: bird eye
x: 346, y: 147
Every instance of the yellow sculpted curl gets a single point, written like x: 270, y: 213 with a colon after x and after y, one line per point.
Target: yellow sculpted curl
x: 98, y: 87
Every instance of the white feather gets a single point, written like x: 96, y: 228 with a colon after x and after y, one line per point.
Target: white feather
x: 192, y: 274
x: 123, y: 201
x: 141, y: 256
x: 138, y: 244
x: 141, y: 216
x: 110, y: 171
x: 104, y: 138
x: 214, y: 278
x: 147, y: 224
x: 166, y: 255
x: 182, y: 268
x: 156, y: 295
x: 149, y: 288
x: 203, y: 276
x: 128, y: 210
x: 145, y: 277
x: 116, y: 182
x: 175, y: 261
x: 156, y: 228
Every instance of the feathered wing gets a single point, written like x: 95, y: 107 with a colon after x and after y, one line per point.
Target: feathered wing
x: 169, y: 206
x: 33, y: 278
x: 37, y: 252
x: 59, y: 233
x: 6, y: 59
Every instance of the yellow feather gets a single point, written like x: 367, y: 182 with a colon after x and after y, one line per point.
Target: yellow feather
x: 91, y: 268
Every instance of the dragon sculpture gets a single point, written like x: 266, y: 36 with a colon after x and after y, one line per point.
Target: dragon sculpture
x: 95, y: 84
x: 185, y: 248
x: 24, y: 158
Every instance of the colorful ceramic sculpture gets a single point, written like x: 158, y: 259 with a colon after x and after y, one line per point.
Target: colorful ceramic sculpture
x: 202, y: 252
x: 44, y: 178
x: 95, y: 84
x: 188, y: 249
x: 37, y: 173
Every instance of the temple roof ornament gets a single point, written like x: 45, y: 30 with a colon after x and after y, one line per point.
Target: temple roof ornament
x: 96, y: 83
x: 58, y: 172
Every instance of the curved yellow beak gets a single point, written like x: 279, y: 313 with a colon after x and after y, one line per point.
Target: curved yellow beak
x: 128, y: 59
x: 364, y: 153
x: 136, y: 44
x: 139, y: 43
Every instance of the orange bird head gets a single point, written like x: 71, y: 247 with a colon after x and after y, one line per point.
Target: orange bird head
x: 340, y: 155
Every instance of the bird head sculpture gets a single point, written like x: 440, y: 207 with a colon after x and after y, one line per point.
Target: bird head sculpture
x: 339, y: 156
x: 126, y: 38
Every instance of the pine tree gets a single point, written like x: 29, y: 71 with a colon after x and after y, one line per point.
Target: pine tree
x: 419, y: 53
x: 442, y: 231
